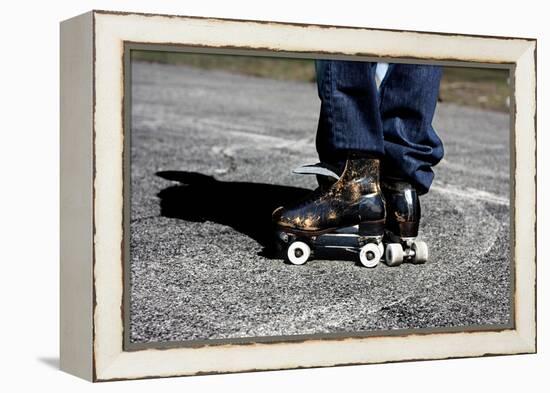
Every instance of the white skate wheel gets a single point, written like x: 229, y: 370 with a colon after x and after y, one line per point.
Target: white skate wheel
x: 370, y: 255
x: 394, y: 254
x: 298, y: 253
x: 420, y: 252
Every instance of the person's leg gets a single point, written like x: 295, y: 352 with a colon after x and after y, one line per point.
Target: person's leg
x: 408, y: 97
x: 349, y: 120
x: 349, y: 134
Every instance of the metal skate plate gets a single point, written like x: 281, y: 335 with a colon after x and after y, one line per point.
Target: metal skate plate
x: 346, y: 238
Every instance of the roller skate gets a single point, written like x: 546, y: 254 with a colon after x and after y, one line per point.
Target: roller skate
x: 402, y: 222
x: 347, y: 213
x: 402, y: 214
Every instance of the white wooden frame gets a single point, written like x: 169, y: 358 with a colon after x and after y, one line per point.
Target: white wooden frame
x: 92, y: 189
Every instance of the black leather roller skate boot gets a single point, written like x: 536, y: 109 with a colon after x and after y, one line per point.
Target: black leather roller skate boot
x: 402, y: 223
x: 351, y: 209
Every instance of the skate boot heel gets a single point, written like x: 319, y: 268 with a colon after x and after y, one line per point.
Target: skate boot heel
x: 408, y: 229
x: 372, y: 248
x: 403, y: 220
x: 372, y: 228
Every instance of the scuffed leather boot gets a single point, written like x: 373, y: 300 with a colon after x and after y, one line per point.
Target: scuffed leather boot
x: 354, y: 199
x: 403, y: 208
x: 402, y: 223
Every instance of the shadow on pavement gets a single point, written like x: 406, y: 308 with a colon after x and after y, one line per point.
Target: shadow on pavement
x: 244, y: 206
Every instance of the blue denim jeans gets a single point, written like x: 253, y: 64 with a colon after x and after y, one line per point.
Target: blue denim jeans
x: 392, y: 121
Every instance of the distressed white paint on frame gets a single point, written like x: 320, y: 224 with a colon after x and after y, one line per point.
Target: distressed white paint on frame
x: 111, y: 30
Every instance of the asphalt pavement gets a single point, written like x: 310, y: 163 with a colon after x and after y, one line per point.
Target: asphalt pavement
x: 211, y: 157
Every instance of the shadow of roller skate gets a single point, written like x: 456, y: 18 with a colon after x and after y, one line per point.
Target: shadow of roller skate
x: 244, y: 206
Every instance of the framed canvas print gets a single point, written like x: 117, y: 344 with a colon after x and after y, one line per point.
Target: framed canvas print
x: 244, y: 195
